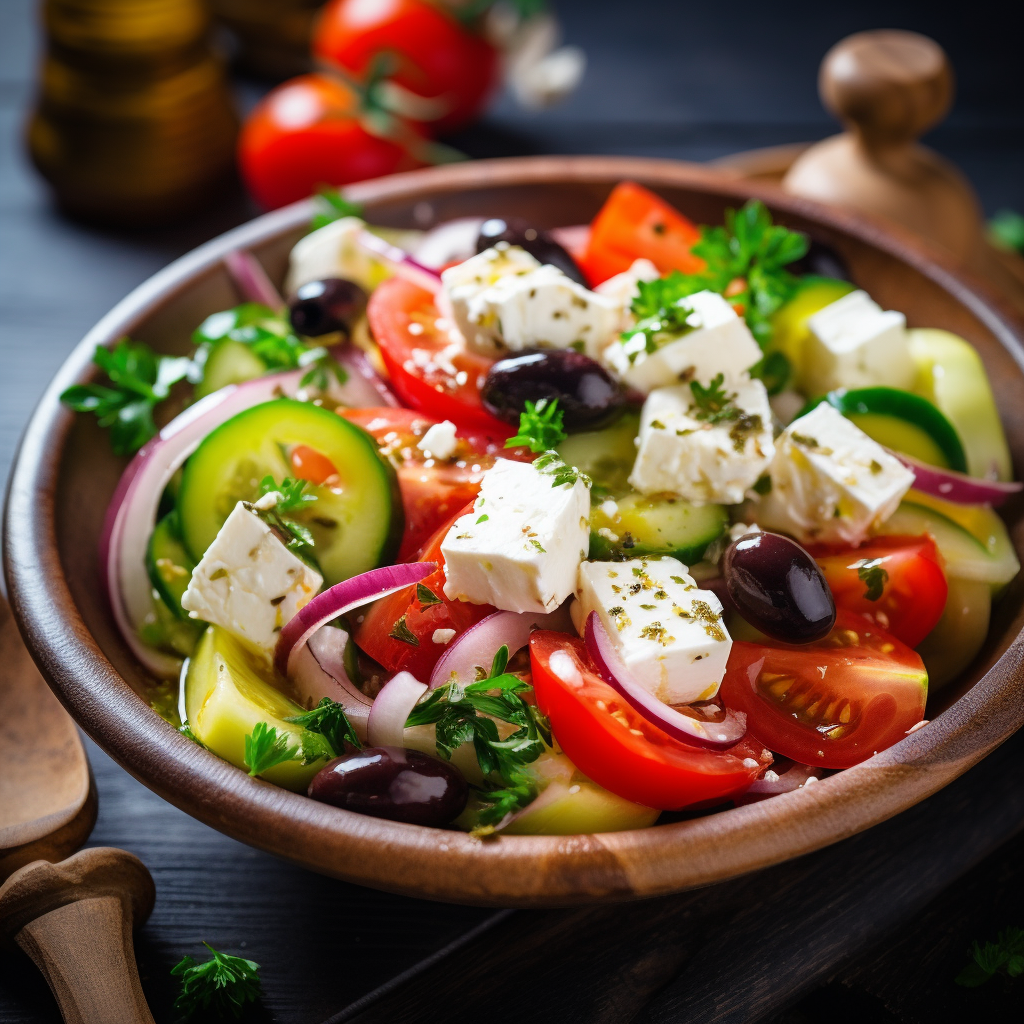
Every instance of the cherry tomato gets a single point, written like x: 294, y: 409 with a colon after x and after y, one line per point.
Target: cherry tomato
x: 309, y: 133
x: 430, y: 371
x: 398, y: 630
x: 435, y: 57
x: 619, y: 749
x: 309, y: 464
x: 832, y: 703
x: 432, y: 489
x: 633, y: 224
x: 895, y: 582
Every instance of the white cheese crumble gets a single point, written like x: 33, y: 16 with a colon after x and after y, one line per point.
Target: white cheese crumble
x: 443, y: 636
x: 439, y: 441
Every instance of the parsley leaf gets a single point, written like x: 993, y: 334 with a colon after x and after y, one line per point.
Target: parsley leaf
x: 221, y: 986
x: 1006, y: 954
x: 330, y: 721
x: 426, y: 596
x: 713, y: 403
x: 540, y: 426
x: 552, y: 462
x: 291, y: 493
x: 332, y: 206
x: 264, y: 749
x: 401, y: 632
x: 291, y: 497
x: 138, y: 380
x: 873, y: 576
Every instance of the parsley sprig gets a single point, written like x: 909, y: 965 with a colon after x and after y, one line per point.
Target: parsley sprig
x: 561, y: 472
x: 329, y: 720
x: 219, y: 987
x: 540, y: 426
x: 292, y: 497
x: 138, y: 380
x: 713, y: 404
x: 873, y: 576
x: 466, y: 714
x: 1005, y: 955
x: 265, y: 749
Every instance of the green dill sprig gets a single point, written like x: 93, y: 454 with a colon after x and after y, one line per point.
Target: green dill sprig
x: 329, y: 720
x: 562, y: 473
x: 138, y: 380
x: 331, y: 205
x: 264, y: 749
x: 292, y: 497
x: 220, y: 987
x: 1005, y: 955
x: 540, y: 426
x: 873, y: 576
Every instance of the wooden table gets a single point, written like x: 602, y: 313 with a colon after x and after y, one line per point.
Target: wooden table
x: 662, y: 82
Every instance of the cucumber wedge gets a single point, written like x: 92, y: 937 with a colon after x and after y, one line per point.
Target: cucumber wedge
x: 950, y: 374
x: 607, y: 455
x: 169, y: 564
x: 227, y: 693
x: 356, y: 521
x: 228, y: 362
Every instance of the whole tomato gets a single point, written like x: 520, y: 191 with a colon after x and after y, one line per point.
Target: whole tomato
x: 311, y: 132
x: 433, y: 56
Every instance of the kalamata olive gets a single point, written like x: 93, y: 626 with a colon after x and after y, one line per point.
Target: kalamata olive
x: 323, y: 307
x: 586, y: 393
x: 389, y: 782
x: 823, y: 260
x: 778, y: 588
x: 536, y: 241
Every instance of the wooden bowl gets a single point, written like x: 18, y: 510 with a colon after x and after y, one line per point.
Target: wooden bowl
x: 65, y: 474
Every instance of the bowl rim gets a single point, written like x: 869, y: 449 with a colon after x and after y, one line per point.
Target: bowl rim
x: 453, y: 866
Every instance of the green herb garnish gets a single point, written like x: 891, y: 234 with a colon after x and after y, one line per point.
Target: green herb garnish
x: 219, y: 987
x: 331, y: 206
x: 426, y: 596
x: 540, y: 426
x: 291, y: 498
x: 329, y: 720
x: 873, y: 576
x: 713, y: 404
x: 264, y: 749
x: 1005, y: 955
x: 401, y: 632
x: 552, y: 462
x: 138, y: 380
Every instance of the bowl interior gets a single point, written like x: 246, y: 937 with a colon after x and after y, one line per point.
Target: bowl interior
x: 66, y: 475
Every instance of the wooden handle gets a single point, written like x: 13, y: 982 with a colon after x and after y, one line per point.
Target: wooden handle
x: 75, y: 920
x: 887, y: 86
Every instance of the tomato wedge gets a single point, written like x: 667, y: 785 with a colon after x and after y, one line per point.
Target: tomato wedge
x: 832, y: 703
x: 620, y: 750
x: 634, y: 223
x: 430, y: 371
x: 398, y: 631
x: 895, y: 582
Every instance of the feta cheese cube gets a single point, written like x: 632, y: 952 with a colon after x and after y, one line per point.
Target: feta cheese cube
x: 830, y: 481
x: 332, y: 251
x: 669, y: 633
x: 248, y: 582
x: 683, y: 451
x: 716, y: 341
x: 521, y: 545
x: 547, y: 309
x: 463, y: 286
x: 623, y: 287
x: 854, y: 343
x: 439, y: 441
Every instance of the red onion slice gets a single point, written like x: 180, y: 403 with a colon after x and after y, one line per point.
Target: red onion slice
x: 401, y: 262
x: 386, y: 725
x: 773, y: 783
x: 249, y: 277
x: 477, y: 646
x: 611, y: 668
x: 957, y: 487
x: 342, y: 598
x: 319, y: 671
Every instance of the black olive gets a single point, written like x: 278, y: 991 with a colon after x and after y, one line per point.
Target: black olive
x: 323, y: 307
x: 778, y: 588
x: 536, y: 241
x: 389, y: 782
x: 586, y: 393
x: 822, y: 260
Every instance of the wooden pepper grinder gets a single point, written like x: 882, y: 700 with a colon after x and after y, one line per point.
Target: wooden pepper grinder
x: 888, y: 88
x: 134, y: 123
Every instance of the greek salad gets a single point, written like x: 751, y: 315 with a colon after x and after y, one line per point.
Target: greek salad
x: 513, y: 530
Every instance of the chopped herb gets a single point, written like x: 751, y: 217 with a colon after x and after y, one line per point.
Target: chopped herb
x: 483, y: 519
x: 138, y: 380
x: 713, y: 403
x: 537, y: 544
x: 678, y: 579
x: 876, y: 466
x: 220, y: 987
x: 551, y: 462
x: 291, y: 498
x: 264, y: 749
x: 810, y: 443
x: 329, y: 720
x: 401, y: 632
x: 426, y: 596
x: 873, y: 576
x: 1005, y: 955
x: 331, y: 206
x: 540, y: 426
x: 763, y: 485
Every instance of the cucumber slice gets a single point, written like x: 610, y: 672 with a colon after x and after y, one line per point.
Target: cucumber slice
x: 641, y: 525
x: 901, y: 420
x: 607, y: 455
x: 581, y: 809
x: 168, y: 563
x: 227, y: 694
x: 165, y: 631
x: 228, y: 362
x: 950, y: 374
x: 958, y: 635
x: 789, y: 324
x: 966, y: 557
x: 356, y: 523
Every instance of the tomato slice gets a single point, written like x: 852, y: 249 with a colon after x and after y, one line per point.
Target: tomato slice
x: 634, y: 223
x: 398, y: 631
x: 832, y: 703
x: 620, y: 750
x: 430, y: 371
x: 895, y: 582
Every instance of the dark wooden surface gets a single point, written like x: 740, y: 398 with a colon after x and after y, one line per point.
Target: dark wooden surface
x: 664, y: 80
